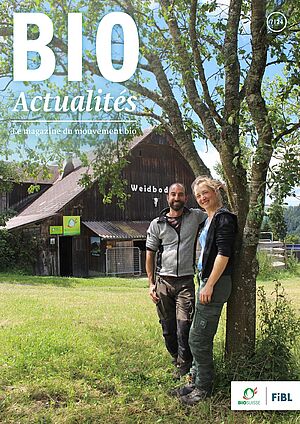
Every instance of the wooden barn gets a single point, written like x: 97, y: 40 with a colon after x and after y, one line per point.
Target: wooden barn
x: 80, y: 236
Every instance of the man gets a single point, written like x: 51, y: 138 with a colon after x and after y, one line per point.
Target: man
x: 172, y: 237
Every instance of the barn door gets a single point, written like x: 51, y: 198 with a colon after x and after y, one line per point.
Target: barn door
x: 66, y: 256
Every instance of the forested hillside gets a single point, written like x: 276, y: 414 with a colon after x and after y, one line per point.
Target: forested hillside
x: 292, y: 219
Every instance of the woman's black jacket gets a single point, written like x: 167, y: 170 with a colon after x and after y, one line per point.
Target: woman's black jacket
x: 220, y: 240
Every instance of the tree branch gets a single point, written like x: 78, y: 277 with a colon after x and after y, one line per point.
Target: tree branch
x: 212, y: 41
x: 288, y: 131
x: 199, y: 63
x: 151, y: 115
x: 259, y: 114
x: 93, y: 68
x: 232, y: 66
x: 9, y: 82
x: 189, y: 83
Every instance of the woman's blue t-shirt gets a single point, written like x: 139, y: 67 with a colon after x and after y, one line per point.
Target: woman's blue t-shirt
x: 202, y: 241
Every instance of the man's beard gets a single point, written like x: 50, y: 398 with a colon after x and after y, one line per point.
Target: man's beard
x: 176, y: 205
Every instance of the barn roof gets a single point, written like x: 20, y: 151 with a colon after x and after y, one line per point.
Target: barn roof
x: 51, y: 201
x: 136, y: 140
x: 20, y: 221
x: 41, y: 179
x: 21, y: 175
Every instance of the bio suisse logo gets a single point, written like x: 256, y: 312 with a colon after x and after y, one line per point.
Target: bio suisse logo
x: 249, y: 393
x: 248, y: 396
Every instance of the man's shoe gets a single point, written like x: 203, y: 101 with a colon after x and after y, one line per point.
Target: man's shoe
x: 176, y: 374
x: 174, y: 360
x: 191, y: 378
x: 195, y: 396
x: 182, y: 391
x: 180, y: 371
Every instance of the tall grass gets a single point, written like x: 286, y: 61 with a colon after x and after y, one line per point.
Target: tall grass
x: 268, y: 272
x: 91, y: 351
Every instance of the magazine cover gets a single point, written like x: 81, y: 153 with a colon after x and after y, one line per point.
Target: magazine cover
x: 111, y: 112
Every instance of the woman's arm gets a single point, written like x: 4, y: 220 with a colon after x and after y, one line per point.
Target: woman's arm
x: 218, y: 269
x: 224, y: 238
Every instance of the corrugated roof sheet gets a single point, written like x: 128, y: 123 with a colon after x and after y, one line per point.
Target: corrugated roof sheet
x: 110, y: 230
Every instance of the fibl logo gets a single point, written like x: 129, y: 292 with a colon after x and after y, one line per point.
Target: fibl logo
x: 281, y: 397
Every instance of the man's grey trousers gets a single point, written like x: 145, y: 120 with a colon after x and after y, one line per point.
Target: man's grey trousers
x: 175, y: 310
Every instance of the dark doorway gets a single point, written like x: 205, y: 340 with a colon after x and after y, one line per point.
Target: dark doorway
x: 141, y: 244
x: 65, y: 256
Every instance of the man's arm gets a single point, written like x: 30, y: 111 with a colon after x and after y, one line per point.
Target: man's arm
x: 201, y: 215
x: 150, y: 270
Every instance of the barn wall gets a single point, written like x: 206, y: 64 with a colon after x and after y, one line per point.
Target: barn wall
x: 152, y: 168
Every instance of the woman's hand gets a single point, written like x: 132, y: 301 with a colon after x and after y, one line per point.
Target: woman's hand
x: 205, y: 294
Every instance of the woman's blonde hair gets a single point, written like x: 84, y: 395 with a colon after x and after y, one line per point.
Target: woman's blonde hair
x: 213, y: 184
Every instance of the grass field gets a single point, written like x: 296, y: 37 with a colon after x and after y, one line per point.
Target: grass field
x: 91, y: 351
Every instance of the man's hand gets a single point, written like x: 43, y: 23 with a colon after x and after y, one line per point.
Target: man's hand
x: 206, y: 294
x: 152, y: 293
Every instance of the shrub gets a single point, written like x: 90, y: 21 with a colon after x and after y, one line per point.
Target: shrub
x: 7, y: 250
x: 266, y: 269
x: 292, y: 238
x: 292, y: 263
x: 6, y: 215
x: 18, y: 252
x: 279, y: 329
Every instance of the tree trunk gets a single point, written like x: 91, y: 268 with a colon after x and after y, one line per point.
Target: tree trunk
x: 240, y: 331
x: 184, y: 141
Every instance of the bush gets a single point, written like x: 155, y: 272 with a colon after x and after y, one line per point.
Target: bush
x: 266, y: 269
x: 279, y: 329
x: 7, y: 250
x: 292, y: 263
x: 6, y: 215
x: 292, y: 238
x: 18, y: 252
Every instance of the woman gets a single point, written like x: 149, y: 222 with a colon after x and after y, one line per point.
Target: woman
x: 215, y: 268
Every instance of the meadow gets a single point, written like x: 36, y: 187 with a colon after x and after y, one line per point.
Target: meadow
x: 91, y: 351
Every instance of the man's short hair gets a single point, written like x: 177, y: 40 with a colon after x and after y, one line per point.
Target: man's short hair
x: 177, y: 184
